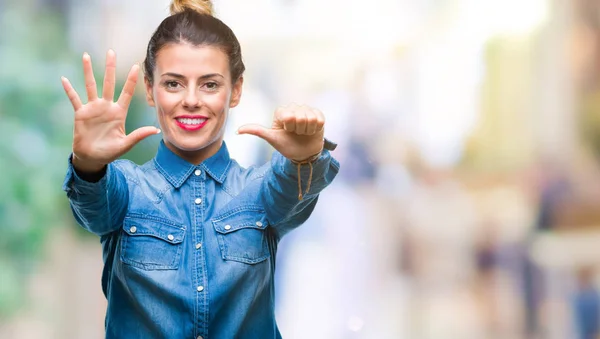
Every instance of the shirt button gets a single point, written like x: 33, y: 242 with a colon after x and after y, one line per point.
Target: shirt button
x: 227, y: 227
x: 133, y: 229
x: 170, y: 237
x: 259, y: 224
x: 198, y: 201
x: 200, y: 288
x: 198, y: 245
x: 197, y: 172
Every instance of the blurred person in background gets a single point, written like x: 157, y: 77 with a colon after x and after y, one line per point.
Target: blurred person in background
x: 586, y: 305
x: 487, y: 266
x: 190, y: 238
x: 553, y: 190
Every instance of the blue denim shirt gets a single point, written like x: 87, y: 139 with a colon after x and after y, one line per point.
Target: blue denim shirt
x: 189, y: 251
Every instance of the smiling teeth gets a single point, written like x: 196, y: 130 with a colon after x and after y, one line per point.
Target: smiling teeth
x: 188, y: 121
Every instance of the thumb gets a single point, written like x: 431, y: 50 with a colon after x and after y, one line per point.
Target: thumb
x: 138, y: 135
x: 257, y: 130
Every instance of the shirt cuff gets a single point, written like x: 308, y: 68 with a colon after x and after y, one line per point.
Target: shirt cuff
x: 319, y: 165
x: 75, y: 184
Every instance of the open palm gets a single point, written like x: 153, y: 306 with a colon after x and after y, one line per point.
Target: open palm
x: 99, y: 130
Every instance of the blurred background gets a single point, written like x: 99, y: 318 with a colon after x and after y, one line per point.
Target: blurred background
x: 468, y: 201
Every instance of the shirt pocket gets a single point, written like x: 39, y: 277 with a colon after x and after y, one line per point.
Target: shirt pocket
x: 151, y: 243
x: 242, y: 235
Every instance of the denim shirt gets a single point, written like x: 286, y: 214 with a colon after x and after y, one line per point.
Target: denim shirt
x: 189, y: 251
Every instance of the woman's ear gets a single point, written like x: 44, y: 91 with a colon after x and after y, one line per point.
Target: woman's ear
x: 149, y: 96
x: 236, y: 93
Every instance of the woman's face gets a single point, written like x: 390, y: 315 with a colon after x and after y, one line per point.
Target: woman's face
x: 192, y: 93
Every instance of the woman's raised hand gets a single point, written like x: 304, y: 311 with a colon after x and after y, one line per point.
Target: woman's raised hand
x: 99, y: 129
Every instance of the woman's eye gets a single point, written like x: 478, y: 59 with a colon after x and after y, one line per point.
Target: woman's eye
x: 171, y: 84
x: 211, y: 86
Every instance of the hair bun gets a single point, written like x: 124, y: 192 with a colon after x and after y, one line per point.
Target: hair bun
x: 200, y: 6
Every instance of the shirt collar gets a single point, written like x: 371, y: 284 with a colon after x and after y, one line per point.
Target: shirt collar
x: 176, y: 170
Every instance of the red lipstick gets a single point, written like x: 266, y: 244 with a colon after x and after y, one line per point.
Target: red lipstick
x: 191, y: 122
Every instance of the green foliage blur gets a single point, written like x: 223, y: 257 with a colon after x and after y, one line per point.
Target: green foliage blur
x: 35, y: 139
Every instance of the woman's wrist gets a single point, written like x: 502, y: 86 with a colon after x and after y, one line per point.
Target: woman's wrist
x: 88, y: 171
x: 86, y: 166
x: 310, y: 159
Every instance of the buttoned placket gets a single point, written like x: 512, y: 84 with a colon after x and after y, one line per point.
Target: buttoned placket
x: 198, y: 190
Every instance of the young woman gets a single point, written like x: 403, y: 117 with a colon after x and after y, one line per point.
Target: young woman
x: 189, y: 238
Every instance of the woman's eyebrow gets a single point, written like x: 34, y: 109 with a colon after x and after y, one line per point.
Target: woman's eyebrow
x: 179, y: 76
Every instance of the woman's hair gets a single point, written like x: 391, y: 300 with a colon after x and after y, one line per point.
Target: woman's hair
x: 192, y: 22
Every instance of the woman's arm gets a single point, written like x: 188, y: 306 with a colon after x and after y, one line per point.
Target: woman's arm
x: 300, y: 168
x: 97, y: 190
x: 289, y: 199
x: 98, y: 200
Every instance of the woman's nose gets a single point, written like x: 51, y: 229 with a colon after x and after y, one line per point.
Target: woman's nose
x: 191, y: 99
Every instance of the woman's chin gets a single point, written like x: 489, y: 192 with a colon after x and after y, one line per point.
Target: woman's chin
x: 190, y: 145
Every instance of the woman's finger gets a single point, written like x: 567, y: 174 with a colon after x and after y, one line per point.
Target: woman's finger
x: 108, y: 89
x: 301, y: 121
x: 289, y: 121
x: 320, y: 120
x: 90, y: 81
x: 129, y: 87
x: 138, y: 135
x: 71, y: 93
x: 311, y: 122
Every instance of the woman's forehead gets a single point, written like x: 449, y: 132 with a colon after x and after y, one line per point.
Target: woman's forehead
x: 192, y: 61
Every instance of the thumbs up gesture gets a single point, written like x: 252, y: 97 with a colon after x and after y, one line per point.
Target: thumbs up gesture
x: 297, y: 131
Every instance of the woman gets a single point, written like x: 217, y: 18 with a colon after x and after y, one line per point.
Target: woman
x: 189, y: 238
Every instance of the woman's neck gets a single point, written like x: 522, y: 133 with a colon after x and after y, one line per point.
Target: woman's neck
x: 196, y: 157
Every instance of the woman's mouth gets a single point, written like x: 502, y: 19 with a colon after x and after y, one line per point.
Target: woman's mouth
x: 191, y: 123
